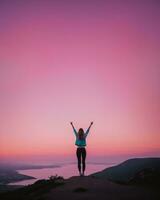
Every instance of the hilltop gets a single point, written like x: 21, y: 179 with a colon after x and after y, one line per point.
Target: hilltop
x: 96, y: 186
x: 132, y: 170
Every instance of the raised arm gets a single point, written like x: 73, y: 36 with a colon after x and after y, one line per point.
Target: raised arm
x: 75, y: 132
x: 88, y: 129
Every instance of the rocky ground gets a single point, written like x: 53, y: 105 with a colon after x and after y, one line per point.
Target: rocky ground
x: 90, y: 188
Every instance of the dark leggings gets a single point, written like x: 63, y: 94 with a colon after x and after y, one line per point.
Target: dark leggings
x: 81, y: 153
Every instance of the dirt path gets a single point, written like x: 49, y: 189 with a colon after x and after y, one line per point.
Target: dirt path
x: 89, y: 188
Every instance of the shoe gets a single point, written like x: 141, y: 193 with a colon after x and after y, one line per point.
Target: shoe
x: 83, y: 174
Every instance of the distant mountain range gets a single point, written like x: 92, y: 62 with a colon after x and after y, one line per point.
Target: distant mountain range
x: 132, y: 170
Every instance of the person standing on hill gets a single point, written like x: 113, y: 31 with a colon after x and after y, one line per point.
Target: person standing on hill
x: 81, y: 150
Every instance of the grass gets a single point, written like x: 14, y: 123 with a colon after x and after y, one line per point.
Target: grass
x: 34, y: 191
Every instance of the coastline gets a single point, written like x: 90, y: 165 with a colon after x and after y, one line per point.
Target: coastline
x: 10, y: 174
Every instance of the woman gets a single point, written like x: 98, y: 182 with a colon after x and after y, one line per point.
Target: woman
x: 81, y: 151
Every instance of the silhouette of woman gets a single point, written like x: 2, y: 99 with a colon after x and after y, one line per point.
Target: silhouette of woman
x: 81, y: 150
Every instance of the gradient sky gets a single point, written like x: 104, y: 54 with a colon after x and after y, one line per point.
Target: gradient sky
x: 80, y: 61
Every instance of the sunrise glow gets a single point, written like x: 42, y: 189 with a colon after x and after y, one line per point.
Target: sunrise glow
x: 79, y: 61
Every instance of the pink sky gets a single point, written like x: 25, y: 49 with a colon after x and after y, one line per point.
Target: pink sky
x: 79, y: 61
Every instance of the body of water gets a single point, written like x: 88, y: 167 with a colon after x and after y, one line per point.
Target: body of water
x: 66, y: 171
